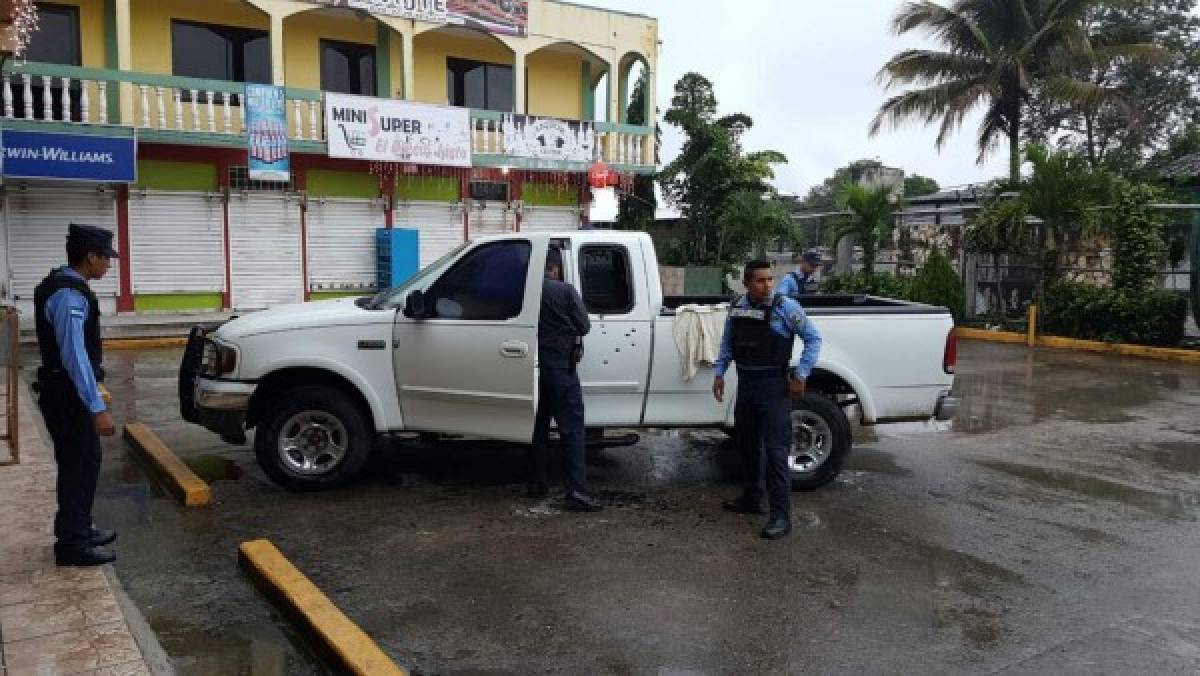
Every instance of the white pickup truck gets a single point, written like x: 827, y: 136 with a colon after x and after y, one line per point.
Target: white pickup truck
x: 453, y: 351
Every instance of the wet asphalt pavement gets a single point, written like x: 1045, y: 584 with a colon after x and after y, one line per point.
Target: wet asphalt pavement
x: 1052, y: 528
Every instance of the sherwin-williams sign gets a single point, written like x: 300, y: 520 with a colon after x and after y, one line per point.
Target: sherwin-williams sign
x: 266, y: 134
x: 504, y: 17
x: 387, y: 130
x: 35, y: 154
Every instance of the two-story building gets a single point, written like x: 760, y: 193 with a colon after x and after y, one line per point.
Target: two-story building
x: 450, y: 117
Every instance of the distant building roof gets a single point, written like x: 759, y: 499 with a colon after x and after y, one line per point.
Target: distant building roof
x: 967, y: 193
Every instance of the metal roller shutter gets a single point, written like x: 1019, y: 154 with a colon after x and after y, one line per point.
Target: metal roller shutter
x: 494, y: 218
x: 264, y: 247
x: 439, y: 223
x: 341, y: 243
x: 549, y: 219
x: 177, y: 242
x: 37, y: 219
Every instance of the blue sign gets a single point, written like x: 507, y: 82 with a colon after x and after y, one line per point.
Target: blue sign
x: 266, y: 133
x: 36, y: 154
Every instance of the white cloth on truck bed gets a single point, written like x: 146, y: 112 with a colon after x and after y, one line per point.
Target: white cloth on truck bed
x: 698, y: 330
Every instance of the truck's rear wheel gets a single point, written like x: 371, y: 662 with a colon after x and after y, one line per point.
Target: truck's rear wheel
x: 313, y: 439
x: 821, y: 442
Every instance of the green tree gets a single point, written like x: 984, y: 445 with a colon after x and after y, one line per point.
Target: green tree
x: 712, y: 169
x: 1063, y: 191
x: 749, y: 223
x: 635, y: 211
x: 918, y: 185
x: 1137, y: 103
x: 995, y: 53
x: 1139, y: 249
x: 936, y: 283
x: 871, y: 219
x: 825, y: 195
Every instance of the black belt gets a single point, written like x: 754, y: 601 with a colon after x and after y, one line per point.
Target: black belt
x: 768, y: 373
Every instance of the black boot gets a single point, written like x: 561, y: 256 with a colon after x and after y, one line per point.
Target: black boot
x: 743, y: 505
x: 100, y: 537
x: 537, y: 489
x: 81, y: 555
x: 578, y: 501
x: 777, y: 527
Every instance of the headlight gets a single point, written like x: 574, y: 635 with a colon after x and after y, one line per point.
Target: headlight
x: 218, y: 359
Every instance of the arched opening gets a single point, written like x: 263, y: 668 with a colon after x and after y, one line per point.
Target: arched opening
x: 563, y: 81
x: 226, y: 40
x: 634, y: 106
x: 342, y: 50
x: 463, y: 67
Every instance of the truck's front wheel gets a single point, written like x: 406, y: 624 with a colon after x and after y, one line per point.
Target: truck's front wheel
x: 821, y: 442
x: 314, y: 438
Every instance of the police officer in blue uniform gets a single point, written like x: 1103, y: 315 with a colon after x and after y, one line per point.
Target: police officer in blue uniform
x: 759, y: 334
x: 561, y: 327
x: 68, y: 333
x: 802, y: 281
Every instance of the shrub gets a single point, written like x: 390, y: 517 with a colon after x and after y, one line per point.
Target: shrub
x: 1091, y: 312
x: 936, y: 283
x: 877, y: 284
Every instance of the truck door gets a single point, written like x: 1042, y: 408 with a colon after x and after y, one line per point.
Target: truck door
x: 469, y: 366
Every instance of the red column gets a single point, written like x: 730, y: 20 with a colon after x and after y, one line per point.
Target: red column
x: 389, y: 196
x: 516, y: 187
x: 223, y: 185
x: 125, y: 263
x: 585, y: 198
x: 464, y: 196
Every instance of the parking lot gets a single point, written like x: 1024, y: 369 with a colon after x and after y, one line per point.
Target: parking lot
x: 1050, y: 528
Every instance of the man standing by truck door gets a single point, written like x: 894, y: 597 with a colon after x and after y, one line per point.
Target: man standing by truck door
x: 561, y: 327
x: 802, y: 281
x: 759, y: 333
x: 68, y: 333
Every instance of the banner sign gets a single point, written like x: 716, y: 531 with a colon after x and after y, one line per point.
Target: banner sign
x: 388, y: 130
x: 35, y: 154
x: 266, y: 133
x: 503, y: 17
x: 547, y: 138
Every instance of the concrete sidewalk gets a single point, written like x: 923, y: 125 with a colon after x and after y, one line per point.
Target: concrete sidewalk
x: 53, y: 620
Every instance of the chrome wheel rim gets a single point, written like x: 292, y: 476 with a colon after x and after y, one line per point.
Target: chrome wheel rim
x: 812, y: 442
x: 312, y: 443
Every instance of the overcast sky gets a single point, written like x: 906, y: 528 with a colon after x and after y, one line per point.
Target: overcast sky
x: 805, y: 71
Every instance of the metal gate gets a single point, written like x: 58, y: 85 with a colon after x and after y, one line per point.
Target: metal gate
x: 177, y: 242
x: 341, y: 243
x: 490, y: 218
x: 439, y: 224
x: 549, y: 219
x: 37, y: 219
x: 264, y: 250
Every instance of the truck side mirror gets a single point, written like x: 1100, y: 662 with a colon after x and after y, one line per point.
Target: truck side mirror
x: 414, y: 305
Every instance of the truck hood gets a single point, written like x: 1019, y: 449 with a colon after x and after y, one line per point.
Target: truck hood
x: 303, y: 316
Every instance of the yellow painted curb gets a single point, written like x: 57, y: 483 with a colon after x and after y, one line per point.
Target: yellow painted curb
x: 143, y: 343
x: 105, y: 395
x: 991, y: 336
x: 180, y: 478
x: 1124, y: 349
x: 323, y: 621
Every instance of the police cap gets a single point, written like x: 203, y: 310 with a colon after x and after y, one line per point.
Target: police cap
x: 93, y: 239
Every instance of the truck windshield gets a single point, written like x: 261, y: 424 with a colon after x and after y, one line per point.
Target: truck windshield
x: 390, y: 299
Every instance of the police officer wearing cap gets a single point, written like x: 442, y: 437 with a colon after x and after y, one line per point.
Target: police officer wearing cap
x: 759, y: 334
x: 802, y: 281
x: 561, y: 327
x: 68, y: 333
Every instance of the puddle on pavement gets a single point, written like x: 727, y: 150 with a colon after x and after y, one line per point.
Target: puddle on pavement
x: 1167, y: 505
x: 1174, y: 456
x: 872, y: 460
x: 212, y: 467
x: 235, y: 650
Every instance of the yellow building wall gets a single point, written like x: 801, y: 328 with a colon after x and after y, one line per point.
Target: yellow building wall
x: 430, y: 51
x: 555, y: 84
x: 302, y: 35
x: 150, y: 24
x: 91, y: 31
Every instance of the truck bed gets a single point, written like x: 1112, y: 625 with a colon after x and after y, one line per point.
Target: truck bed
x: 823, y: 304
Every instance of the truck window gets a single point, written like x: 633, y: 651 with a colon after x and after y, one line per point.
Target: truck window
x: 607, y: 279
x: 487, y: 284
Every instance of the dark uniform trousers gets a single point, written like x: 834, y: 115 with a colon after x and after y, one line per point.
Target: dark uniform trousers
x: 560, y: 397
x: 77, y: 452
x: 763, y: 427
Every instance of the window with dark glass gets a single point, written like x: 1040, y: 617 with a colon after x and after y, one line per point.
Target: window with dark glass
x: 217, y: 52
x: 488, y: 284
x: 347, y: 68
x: 483, y: 86
x: 55, y: 41
x: 607, y: 280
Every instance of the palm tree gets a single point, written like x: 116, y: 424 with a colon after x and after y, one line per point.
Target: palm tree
x: 995, y: 52
x: 870, y: 221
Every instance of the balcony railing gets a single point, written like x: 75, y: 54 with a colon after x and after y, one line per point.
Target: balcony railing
x: 176, y: 108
